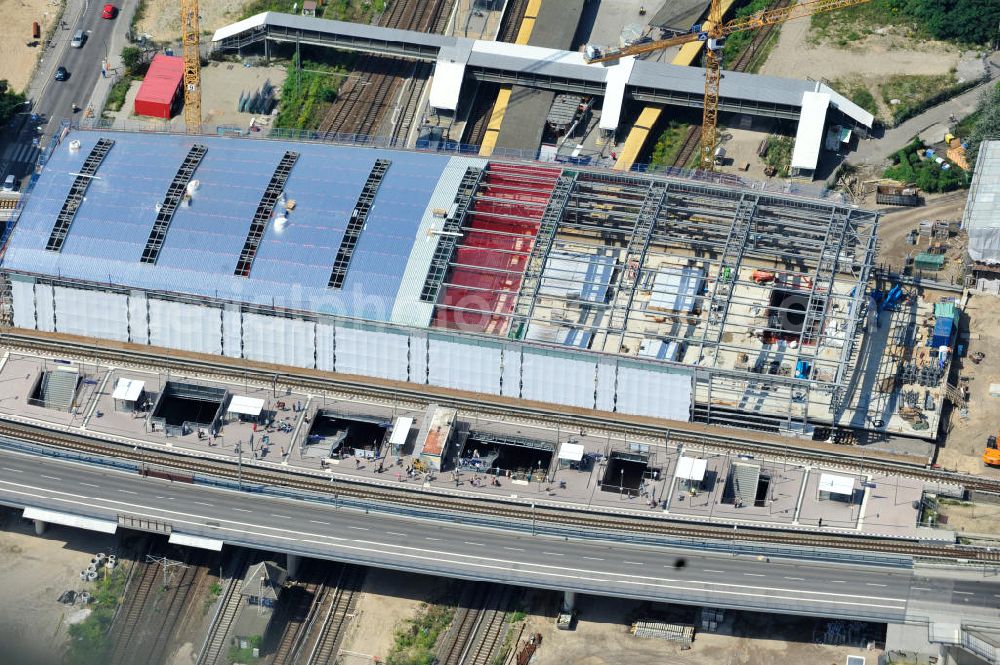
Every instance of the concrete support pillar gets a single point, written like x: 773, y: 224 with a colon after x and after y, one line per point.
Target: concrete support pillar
x: 40, y: 527
x: 293, y: 561
x: 569, y: 601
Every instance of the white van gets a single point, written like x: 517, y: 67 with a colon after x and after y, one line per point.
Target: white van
x: 9, y: 183
x: 77, y: 41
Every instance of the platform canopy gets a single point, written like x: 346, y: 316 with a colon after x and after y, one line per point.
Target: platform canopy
x: 69, y: 519
x: 571, y: 452
x: 211, y: 544
x: 833, y: 484
x: 245, y: 406
x: 691, y: 468
x: 128, y: 390
x: 400, y: 430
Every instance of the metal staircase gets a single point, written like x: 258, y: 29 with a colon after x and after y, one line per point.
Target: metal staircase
x: 822, y: 283
x: 729, y: 267
x: 638, y: 245
x: 76, y: 193
x: 263, y: 214
x: 59, y: 388
x: 356, y: 224
x: 548, y: 225
x: 172, y: 199
x: 450, y: 234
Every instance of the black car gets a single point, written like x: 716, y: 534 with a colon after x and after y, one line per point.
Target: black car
x: 61, y: 73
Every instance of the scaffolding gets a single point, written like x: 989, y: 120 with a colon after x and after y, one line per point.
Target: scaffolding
x: 763, y: 294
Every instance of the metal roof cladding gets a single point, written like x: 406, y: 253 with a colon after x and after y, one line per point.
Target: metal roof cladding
x: 204, y: 239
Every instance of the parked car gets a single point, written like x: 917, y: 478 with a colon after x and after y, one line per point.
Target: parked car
x: 61, y: 73
x: 109, y: 11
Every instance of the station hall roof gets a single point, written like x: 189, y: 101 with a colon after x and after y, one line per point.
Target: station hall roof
x: 206, y: 236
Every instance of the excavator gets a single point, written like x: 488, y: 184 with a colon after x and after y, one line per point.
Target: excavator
x: 991, y: 456
x: 714, y: 32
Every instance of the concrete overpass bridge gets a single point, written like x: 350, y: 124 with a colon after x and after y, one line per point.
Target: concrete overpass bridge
x: 737, y: 574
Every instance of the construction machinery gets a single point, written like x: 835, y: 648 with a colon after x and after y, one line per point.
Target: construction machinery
x: 714, y: 33
x: 991, y: 456
x: 191, y: 40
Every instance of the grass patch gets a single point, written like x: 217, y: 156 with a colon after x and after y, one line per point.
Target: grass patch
x: 844, y: 27
x: 668, y: 146
x: 356, y: 11
x: 913, y: 92
x: 966, y: 124
x: 140, y: 13
x: 738, y: 41
x: 854, y: 88
x: 238, y: 655
x: 415, y: 641
x: 307, y: 94
x: 88, y: 640
x: 911, y: 167
x: 117, y: 94
x: 779, y: 154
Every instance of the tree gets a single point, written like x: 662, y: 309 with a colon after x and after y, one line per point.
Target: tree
x: 10, y: 102
x: 131, y: 58
x: 988, y: 123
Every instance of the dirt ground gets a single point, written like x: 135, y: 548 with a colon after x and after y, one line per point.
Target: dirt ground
x: 966, y: 437
x: 794, y: 56
x: 37, y: 570
x: 602, y: 638
x: 896, y: 223
x: 162, y: 21
x: 222, y: 84
x: 981, y: 518
x: 388, y: 598
x: 17, y: 59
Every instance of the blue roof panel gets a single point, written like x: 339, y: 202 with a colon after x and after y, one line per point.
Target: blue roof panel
x: 202, y: 247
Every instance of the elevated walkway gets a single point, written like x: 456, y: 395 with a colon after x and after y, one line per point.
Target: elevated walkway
x: 515, y: 64
x: 650, y: 116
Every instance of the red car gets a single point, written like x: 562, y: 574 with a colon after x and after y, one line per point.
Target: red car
x: 109, y: 11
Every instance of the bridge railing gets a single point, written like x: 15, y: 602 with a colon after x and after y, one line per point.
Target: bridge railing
x: 734, y: 546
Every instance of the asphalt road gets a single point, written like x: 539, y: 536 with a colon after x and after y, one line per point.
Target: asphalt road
x: 788, y: 586
x: 55, y: 101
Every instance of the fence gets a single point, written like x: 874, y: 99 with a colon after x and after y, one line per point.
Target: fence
x: 787, y: 187
x: 733, y: 546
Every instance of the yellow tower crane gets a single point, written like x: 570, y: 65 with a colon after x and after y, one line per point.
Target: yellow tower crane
x: 190, y: 38
x: 715, y: 38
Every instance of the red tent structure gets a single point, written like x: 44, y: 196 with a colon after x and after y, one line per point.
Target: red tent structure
x: 161, y: 87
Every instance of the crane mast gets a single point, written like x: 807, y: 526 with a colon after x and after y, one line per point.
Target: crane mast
x: 714, y: 38
x: 190, y: 38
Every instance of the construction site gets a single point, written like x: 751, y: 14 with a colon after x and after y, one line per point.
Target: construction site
x: 376, y: 340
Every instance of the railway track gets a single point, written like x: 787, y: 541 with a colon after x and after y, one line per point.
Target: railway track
x: 510, y: 23
x: 216, y: 641
x: 477, y: 629
x: 400, y: 395
x: 405, y: 111
x: 505, y: 510
x: 366, y: 99
x: 144, y: 578
x: 338, y: 605
x: 161, y: 609
x: 298, y: 602
x: 693, y: 138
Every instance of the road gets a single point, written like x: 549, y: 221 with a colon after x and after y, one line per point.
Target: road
x: 613, y: 569
x: 54, y: 99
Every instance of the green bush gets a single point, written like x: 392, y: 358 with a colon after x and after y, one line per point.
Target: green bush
x: 307, y: 93
x: 10, y: 102
x: 926, y: 174
x: 779, y: 154
x: 987, y: 121
x: 962, y: 21
x: 88, y: 640
x: 738, y: 41
x: 414, y: 644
